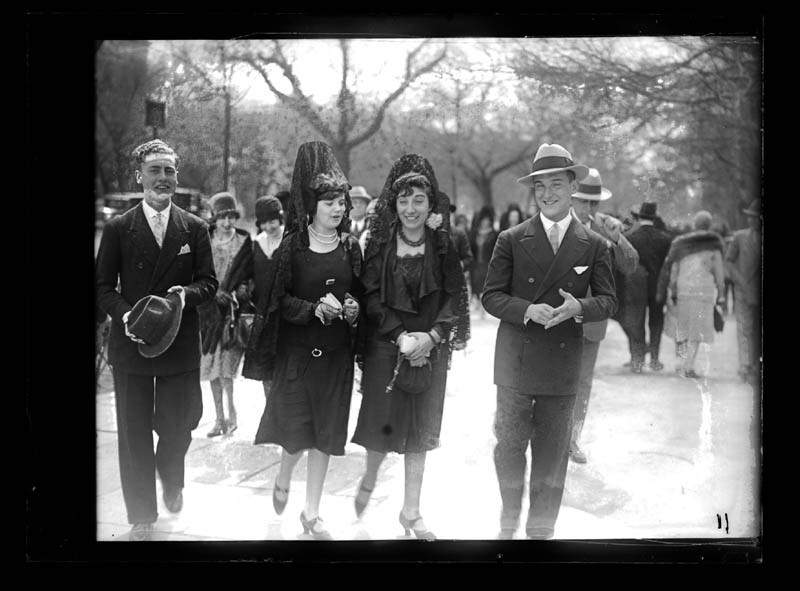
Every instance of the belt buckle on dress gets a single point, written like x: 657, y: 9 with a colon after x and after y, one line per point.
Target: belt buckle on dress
x: 316, y: 352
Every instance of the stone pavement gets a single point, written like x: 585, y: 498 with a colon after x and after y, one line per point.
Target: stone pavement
x: 667, y: 455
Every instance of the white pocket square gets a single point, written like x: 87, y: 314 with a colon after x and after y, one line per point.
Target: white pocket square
x: 580, y: 270
x: 185, y: 249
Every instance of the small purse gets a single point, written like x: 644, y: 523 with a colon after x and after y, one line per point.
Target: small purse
x: 719, y: 320
x: 244, y: 324
x: 413, y: 380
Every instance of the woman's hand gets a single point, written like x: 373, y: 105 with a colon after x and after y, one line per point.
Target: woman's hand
x: 326, y: 313
x: 351, y: 309
x: 423, y: 347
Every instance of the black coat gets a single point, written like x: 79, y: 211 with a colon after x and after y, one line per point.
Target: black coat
x: 129, y: 254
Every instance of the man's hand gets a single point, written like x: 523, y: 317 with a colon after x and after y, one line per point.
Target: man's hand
x: 539, y: 313
x: 571, y: 307
x: 351, y: 309
x: 132, y: 337
x: 180, y: 291
x: 612, y: 226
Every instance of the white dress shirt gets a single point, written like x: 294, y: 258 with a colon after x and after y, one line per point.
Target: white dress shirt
x: 562, y: 226
x: 150, y: 214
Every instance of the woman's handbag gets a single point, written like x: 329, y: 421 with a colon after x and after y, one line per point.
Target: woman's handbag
x: 244, y: 324
x: 414, y: 380
x: 719, y: 321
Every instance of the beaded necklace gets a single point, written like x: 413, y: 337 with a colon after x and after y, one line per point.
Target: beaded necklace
x: 407, y: 241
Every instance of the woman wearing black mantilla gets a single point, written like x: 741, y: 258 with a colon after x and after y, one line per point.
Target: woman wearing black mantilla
x: 417, y: 310
x: 304, y: 333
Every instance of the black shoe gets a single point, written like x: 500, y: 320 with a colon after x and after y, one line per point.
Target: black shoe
x: 141, y: 532
x: 656, y: 365
x: 362, y: 498
x: 173, y: 499
x: 279, y: 505
x: 218, y: 429
x: 636, y: 366
x: 315, y: 528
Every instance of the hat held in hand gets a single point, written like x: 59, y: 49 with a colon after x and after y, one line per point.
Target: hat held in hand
x: 156, y: 321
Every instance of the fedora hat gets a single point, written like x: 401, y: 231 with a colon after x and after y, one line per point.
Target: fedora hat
x: 754, y: 208
x: 156, y: 321
x: 359, y: 192
x: 553, y: 158
x: 591, y: 187
x: 647, y: 211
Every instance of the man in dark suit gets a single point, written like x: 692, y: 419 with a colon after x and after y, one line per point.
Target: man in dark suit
x: 156, y: 248
x: 652, y: 243
x: 537, y: 284
x: 624, y: 258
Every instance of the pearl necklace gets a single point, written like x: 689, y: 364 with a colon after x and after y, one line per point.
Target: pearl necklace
x: 322, y: 238
x: 410, y: 242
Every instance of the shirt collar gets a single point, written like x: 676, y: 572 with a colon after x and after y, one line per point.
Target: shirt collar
x: 562, y: 225
x: 149, y: 212
x: 646, y: 222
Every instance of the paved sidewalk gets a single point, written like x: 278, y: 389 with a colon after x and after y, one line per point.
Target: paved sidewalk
x: 666, y: 455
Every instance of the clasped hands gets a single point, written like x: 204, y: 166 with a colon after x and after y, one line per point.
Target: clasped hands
x: 416, y: 347
x: 329, y: 309
x: 548, y: 316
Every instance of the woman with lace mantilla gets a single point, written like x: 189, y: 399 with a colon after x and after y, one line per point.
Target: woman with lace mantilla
x: 415, y: 300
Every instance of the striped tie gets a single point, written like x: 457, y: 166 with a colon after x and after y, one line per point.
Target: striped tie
x: 159, y: 228
x: 554, y: 238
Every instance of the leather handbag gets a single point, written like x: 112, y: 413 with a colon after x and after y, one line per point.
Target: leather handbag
x: 244, y: 324
x: 413, y: 380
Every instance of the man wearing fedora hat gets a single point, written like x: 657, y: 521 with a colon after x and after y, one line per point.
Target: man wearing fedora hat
x: 624, y: 258
x: 743, y: 260
x: 160, y: 256
x: 358, y: 215
x: 538, y: 285
x: 652, y: 242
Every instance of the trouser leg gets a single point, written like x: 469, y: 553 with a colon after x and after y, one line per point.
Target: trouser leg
x: 588, y: 361
x: 178, y: 408
x: 655, y: 323
x: 552, y: 425
x: 134, y: 398
x: 512, y: 428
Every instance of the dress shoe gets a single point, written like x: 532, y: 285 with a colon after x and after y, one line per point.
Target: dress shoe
x: 656, y: 365
x: 141, y: 532
x: 506, y: 534
x: 417, y: 525
x: 575, y: 453
x: 362, y: 498
x: 636, y: 366
x: 218, y: 429
x: 279, y: 504
x: 315, y: 528
x: 173, y: 499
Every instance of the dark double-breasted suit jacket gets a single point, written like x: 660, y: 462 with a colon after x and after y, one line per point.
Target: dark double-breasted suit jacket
x: 522, y: 271
x: 129, y: 254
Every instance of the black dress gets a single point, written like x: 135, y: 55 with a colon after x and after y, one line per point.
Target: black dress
x: 313, y: 381
x: 412, y: 299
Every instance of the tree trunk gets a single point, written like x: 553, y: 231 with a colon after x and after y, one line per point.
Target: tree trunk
x: 226, y: 142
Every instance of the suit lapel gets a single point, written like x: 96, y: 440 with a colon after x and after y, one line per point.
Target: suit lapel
x: 536, y: 245
x: 573, y: 247
x: 141, y: 236
x: 175, y: 237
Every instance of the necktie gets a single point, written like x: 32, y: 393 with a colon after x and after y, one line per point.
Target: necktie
x: 554, y: 238
x: 159, y: 228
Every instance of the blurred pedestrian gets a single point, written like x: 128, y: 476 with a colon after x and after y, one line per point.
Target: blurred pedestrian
x: 484, y: 237
x: 624, y: 259
x: 232, y: 249
x: 538, y: 286
x: 362, y: 240
x: 358, y: 214
x: 651, y: 240
x: 160, y: 256
x: 269, y: 224
x: 511, y: 217
x: 461, y: 241
x: 302, y: 339
x: 696, y: 284
x: 416, y: 312
x: 744, y: 262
